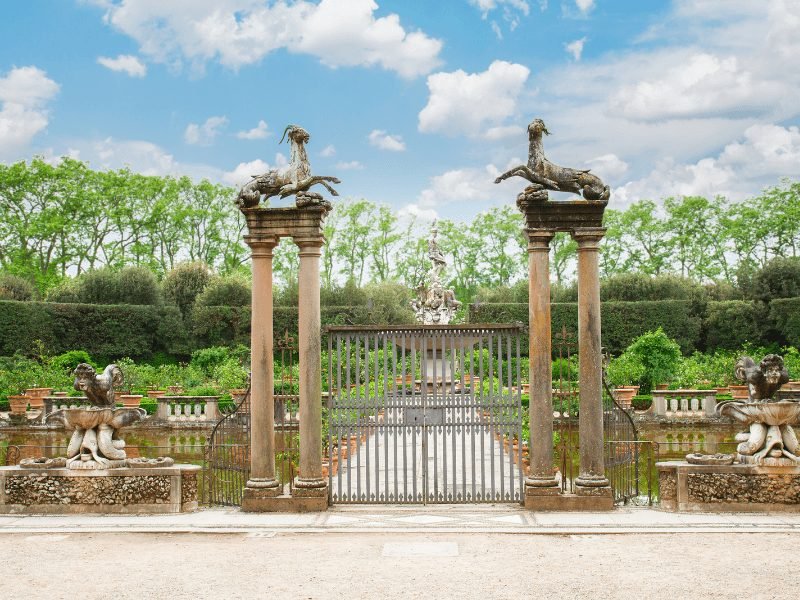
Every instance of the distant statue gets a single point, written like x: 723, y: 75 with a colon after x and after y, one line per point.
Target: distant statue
x: 99, y: 389
x: 295, y: 179
x: 435, y: 305
x: 544, y: 175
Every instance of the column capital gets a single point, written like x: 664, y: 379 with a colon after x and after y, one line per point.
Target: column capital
x: 261, y: 245
x: 310, y: 245
x: 539, y: 239
x: 588, y: 238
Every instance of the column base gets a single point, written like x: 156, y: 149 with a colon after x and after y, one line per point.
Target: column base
x: 311, y: 485
x: 552, y: 500
x: 541, y: 482
x: 284, y: 503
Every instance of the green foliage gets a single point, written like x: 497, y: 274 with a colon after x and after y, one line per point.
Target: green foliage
x: 13, y: 287
x: 779, y: 278
x: 784, y: 313
x: 203, y: 390
x: 70, y: 359
x: 732, y: 324
x: 183, y: 284
x: 66, y: 291
x: 637, y: 287
x: 230, y: 375
x: 564, y: 369
x: 131, y: 285
x: 641, y: 402
x: 208, y: 359
x: 659, y: 356
x: 232, y: 290
x: 626, y: 369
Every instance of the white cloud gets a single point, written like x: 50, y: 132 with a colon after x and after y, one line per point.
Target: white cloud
x: 575, y: 48
x: 24, y: 95
x: 259, y: 132
x: 703, y: 86
x: 328, y: 151
x: 241, y: 32
x: 380, y: 139
x: 511, y: 11
x: 463, y: 103
x: 352, y: 165
x: 124, y: 63
x: 609, y: 167
x: 204, y: 135
x: 244, y: 172
x: 585, y: 6
x: 468, y: 184
x: 503, y: 131
x: 764, y: 155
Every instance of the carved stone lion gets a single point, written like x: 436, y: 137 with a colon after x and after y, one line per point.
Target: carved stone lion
x: 99, y: 389
x: 763, y: 379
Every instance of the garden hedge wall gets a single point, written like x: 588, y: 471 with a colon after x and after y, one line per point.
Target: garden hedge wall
x: 101, y: 330
x: 731, y: 324
x: 785, y: 316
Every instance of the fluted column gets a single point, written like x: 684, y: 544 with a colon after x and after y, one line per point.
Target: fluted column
x: 262, y: 480
x: 592, y: 479
x: 541, y: 478
x: 310, y: 481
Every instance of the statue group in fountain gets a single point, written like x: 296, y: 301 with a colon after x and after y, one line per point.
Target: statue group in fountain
x: 434, y: 304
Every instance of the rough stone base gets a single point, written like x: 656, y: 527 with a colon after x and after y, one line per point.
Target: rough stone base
x: 126, y: 491
x: 551, y: 499
x: 252, y: 501
x: 728, y: 488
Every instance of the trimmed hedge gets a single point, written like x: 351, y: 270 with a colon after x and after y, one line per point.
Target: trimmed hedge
x: 622, y: 322
x: 100, y: 330
x: 732, y: 324
x: 784, y: 313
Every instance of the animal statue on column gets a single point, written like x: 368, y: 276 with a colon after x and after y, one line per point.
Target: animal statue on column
x: 295, y: 179
x: 544, y: 175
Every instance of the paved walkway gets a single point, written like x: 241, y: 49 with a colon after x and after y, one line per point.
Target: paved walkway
x: 407, y: 519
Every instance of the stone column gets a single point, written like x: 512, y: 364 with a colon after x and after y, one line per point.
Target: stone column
x: 541, y: 480
x: 310, y: 482
x: 592, y: 480
x: 262, y: 482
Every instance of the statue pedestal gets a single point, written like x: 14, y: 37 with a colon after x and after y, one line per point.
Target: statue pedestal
x: 119, y: 491
x: 728, y: 488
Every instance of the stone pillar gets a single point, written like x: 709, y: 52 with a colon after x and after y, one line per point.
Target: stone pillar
x: 592, y: 480
x: 310, y: 482
x: 262, y: 483
x: 541, y: 480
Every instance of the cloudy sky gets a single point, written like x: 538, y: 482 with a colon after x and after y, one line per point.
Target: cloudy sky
x: 418, y: 104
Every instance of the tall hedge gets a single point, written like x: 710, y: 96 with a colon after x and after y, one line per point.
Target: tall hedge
x: 732, y: 324
x: 622, y: 322
x: 101, y: 330
x: 785, y: 316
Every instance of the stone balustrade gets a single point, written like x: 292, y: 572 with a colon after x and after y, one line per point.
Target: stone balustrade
x: 684, y: 404
x: 198, y: 409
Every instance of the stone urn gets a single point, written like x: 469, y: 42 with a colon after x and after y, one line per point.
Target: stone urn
x: 18, y: 404
x: 153, y: 394
x: 130, y: 400
x: 37, y: 396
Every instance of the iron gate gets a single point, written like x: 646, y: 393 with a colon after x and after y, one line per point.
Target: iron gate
x: 426, y: 414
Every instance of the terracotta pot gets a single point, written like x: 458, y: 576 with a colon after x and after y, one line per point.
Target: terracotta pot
x: 18, y: 404
x: 662, y: 386
x: 739, y: 392
x: 791, y: 386
x: 130, y: 400
x: 155, y: 393
x: 37, y: 396
x: 174, y: 390
x: 60, y: 394
x: 624, y: 396
x: 722, y: 390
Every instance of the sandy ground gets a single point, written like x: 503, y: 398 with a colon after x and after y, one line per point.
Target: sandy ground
x: 392, y: 565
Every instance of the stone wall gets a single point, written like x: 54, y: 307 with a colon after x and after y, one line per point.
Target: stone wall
x: 65, y: 491
x: 728, y: 488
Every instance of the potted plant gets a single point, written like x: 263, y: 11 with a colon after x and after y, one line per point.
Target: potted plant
x: 130, y: 400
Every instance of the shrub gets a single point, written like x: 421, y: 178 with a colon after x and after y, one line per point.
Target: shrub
x: 184, y: 283
x: 626, y: 369
x: 67, y: 291
x: 564, y: 369
x: 13, y: 287
x: 637, y: 287
x: 203, y: 390
x: 207, y: 359
x: 731, y: 325
x: 779, y: 278
x: 642, y: 402
x: 230, y: 375
x: 138, y: 285
x: 225, y: 291
x: 785, y: 316
x: 67, y: 361
x: 658, y: 354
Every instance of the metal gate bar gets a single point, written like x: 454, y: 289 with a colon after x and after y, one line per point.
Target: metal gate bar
x: 426, y: 414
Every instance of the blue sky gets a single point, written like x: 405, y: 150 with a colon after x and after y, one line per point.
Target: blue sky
x: 416, y: 104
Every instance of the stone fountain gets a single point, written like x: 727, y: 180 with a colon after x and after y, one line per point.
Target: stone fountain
x: 97, y: 475
x: 764, y: 475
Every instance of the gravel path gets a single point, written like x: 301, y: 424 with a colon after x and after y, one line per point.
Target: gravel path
x: 397, y: 565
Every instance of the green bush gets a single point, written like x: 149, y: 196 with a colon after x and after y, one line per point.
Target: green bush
x: 779, y: 278
x: 638, y: 287
x: 784, y: 314
x: 626, y: 369
x: 138, y: 285
x: 70, y: 359
x: 66, y: 291
x: 208, y: 359
x: 203, y: 390
x: 184, y: 283
x: 17, y: 288
x: 730, y: 325
x: 642, y: 402
x: 225, y: 291
x: 658, y: 354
